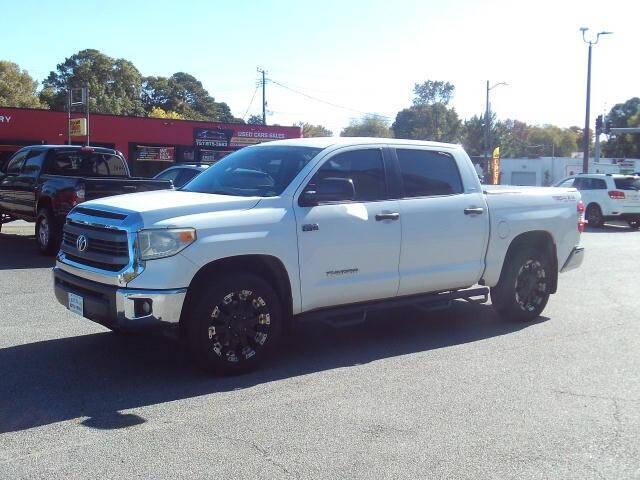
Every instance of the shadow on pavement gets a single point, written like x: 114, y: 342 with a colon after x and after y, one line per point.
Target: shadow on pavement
x: 99, y: 375
x: 21, y: 251
x: 610, y: 228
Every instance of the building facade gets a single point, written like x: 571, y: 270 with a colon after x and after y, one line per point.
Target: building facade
x: 149, y: 144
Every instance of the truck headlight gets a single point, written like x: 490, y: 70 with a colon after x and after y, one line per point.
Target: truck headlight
x: 161, y: 243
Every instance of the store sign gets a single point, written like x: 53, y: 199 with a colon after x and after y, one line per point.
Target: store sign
x: 155, y: 154
x: 5, y: 118
x: 78, y: 127
x: 212, y: 137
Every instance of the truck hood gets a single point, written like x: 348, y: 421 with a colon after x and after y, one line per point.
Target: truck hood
x: 162, y: 205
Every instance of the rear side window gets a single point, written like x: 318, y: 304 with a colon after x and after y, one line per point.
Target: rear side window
x: 33, y: 163
x: 15, y: 164
x: 363, y: 167
x: 427, y: 173
x: 590, y: 184
x: 628, y: 183
x: 86, y: 164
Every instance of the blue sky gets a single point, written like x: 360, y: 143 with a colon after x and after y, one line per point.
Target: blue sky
x: 363, y: 55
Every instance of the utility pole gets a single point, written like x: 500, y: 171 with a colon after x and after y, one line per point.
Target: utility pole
x: 264, y: 98
x: 587, y: 138
x: 487, y: 123
x: 486, y: 127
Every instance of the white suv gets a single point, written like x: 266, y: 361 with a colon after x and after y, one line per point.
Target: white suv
x: 608, y: 197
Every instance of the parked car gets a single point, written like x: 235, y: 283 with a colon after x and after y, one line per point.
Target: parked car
x: 608, y: 197
x: 42, y: 183
x: 180, y: 175
x: 314, y: 229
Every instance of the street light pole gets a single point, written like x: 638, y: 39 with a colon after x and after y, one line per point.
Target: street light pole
x: 587, y: 120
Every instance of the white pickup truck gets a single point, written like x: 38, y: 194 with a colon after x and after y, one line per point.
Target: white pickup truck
x: 313, y: 229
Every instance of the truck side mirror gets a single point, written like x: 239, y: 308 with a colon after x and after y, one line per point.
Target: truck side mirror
x: 332, y: 189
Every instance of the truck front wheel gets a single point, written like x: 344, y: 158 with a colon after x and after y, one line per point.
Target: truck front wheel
x: 525, y: 284
x: 235, y: 323
x: 48, y: 232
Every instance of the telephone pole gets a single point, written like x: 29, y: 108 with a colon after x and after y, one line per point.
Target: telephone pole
x: 264, y: 98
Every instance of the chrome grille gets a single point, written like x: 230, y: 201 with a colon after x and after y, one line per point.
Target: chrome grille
x: 106, y: 248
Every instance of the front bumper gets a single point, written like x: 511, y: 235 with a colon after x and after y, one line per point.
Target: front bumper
x: 575, y: 259
x: 120, y: 308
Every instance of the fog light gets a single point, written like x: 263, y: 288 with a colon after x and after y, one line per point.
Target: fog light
x: 142, y: 307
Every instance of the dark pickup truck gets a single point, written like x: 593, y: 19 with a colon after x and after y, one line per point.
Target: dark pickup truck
x: 42, y: 183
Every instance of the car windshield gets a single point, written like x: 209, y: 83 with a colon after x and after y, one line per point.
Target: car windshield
x: 261, y: 171
x: 628, y: 183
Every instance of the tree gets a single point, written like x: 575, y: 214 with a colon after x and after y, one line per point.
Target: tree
x: 433, y: 91
x: 114, y: 84
x: 157, y: 112
x: 622, y: 115
x: 17, y: 88
x: 428, y: 122
x: 309, y: 130
x: 472, y: 135
x: 184, y: 94
x: 367, y: 126
x: 255, y: 120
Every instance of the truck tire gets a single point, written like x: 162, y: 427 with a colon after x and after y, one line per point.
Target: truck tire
x: 524, y: 287
x: 594, y: 216
x: 48, y: 232
x: 235, y: 324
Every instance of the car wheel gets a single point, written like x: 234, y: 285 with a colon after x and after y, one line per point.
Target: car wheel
x: 235, y: 324
x: 48, y: 234
x: 525, y: 285
x: 635, y: 224
x: 594, y: 216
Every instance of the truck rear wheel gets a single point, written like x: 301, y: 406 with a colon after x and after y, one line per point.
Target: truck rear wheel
x: 48, y: 232
x: 525, y: 285
x: 234, y: 324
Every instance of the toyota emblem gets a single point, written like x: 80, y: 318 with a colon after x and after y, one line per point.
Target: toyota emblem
x: 82, y: 243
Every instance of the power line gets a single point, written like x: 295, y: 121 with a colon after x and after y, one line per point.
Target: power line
x: 250, y: 103
x: 311, y: 97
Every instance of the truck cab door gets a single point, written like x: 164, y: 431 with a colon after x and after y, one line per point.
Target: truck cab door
x: 348, y: 248
x: 26, y: 183
x: 9, y: 196
x: 445, y: 222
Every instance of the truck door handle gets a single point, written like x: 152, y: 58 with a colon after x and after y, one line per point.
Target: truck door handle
x: 474, y: 211
x: 387, y: 216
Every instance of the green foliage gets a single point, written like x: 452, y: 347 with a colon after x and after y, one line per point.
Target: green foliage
x: 434, y: 122
x: 623, y: 115
x: 184, y: 94
x: 472, y: 135
x: 433, y: 91
x: 255, y: 120
x: 17, y: 88
x: 157, y: 112
x: 367, y: 126
x: 309, y: 130
x: 114, y: 84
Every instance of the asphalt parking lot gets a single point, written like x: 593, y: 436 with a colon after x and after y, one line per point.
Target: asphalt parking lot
x: 411, y: 394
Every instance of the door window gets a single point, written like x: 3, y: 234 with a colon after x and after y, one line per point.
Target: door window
x: 426, y: 173
x: 365, y: 169
x: 15, y: 165
x: 567, y: 183
x: 169, y: 175
x: 33, y: 163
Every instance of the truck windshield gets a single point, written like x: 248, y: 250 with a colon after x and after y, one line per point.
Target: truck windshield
x: 261, y: 171
x: 86, y: 164
x: 628, y: 183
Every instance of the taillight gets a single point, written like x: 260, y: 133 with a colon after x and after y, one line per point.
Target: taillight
x: 581, y: 222
x: 616, y: 194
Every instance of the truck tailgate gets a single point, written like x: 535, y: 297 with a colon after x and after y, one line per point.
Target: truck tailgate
x: 107, y: 187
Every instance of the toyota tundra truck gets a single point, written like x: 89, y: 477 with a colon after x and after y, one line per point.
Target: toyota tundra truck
x: 313, y: 229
